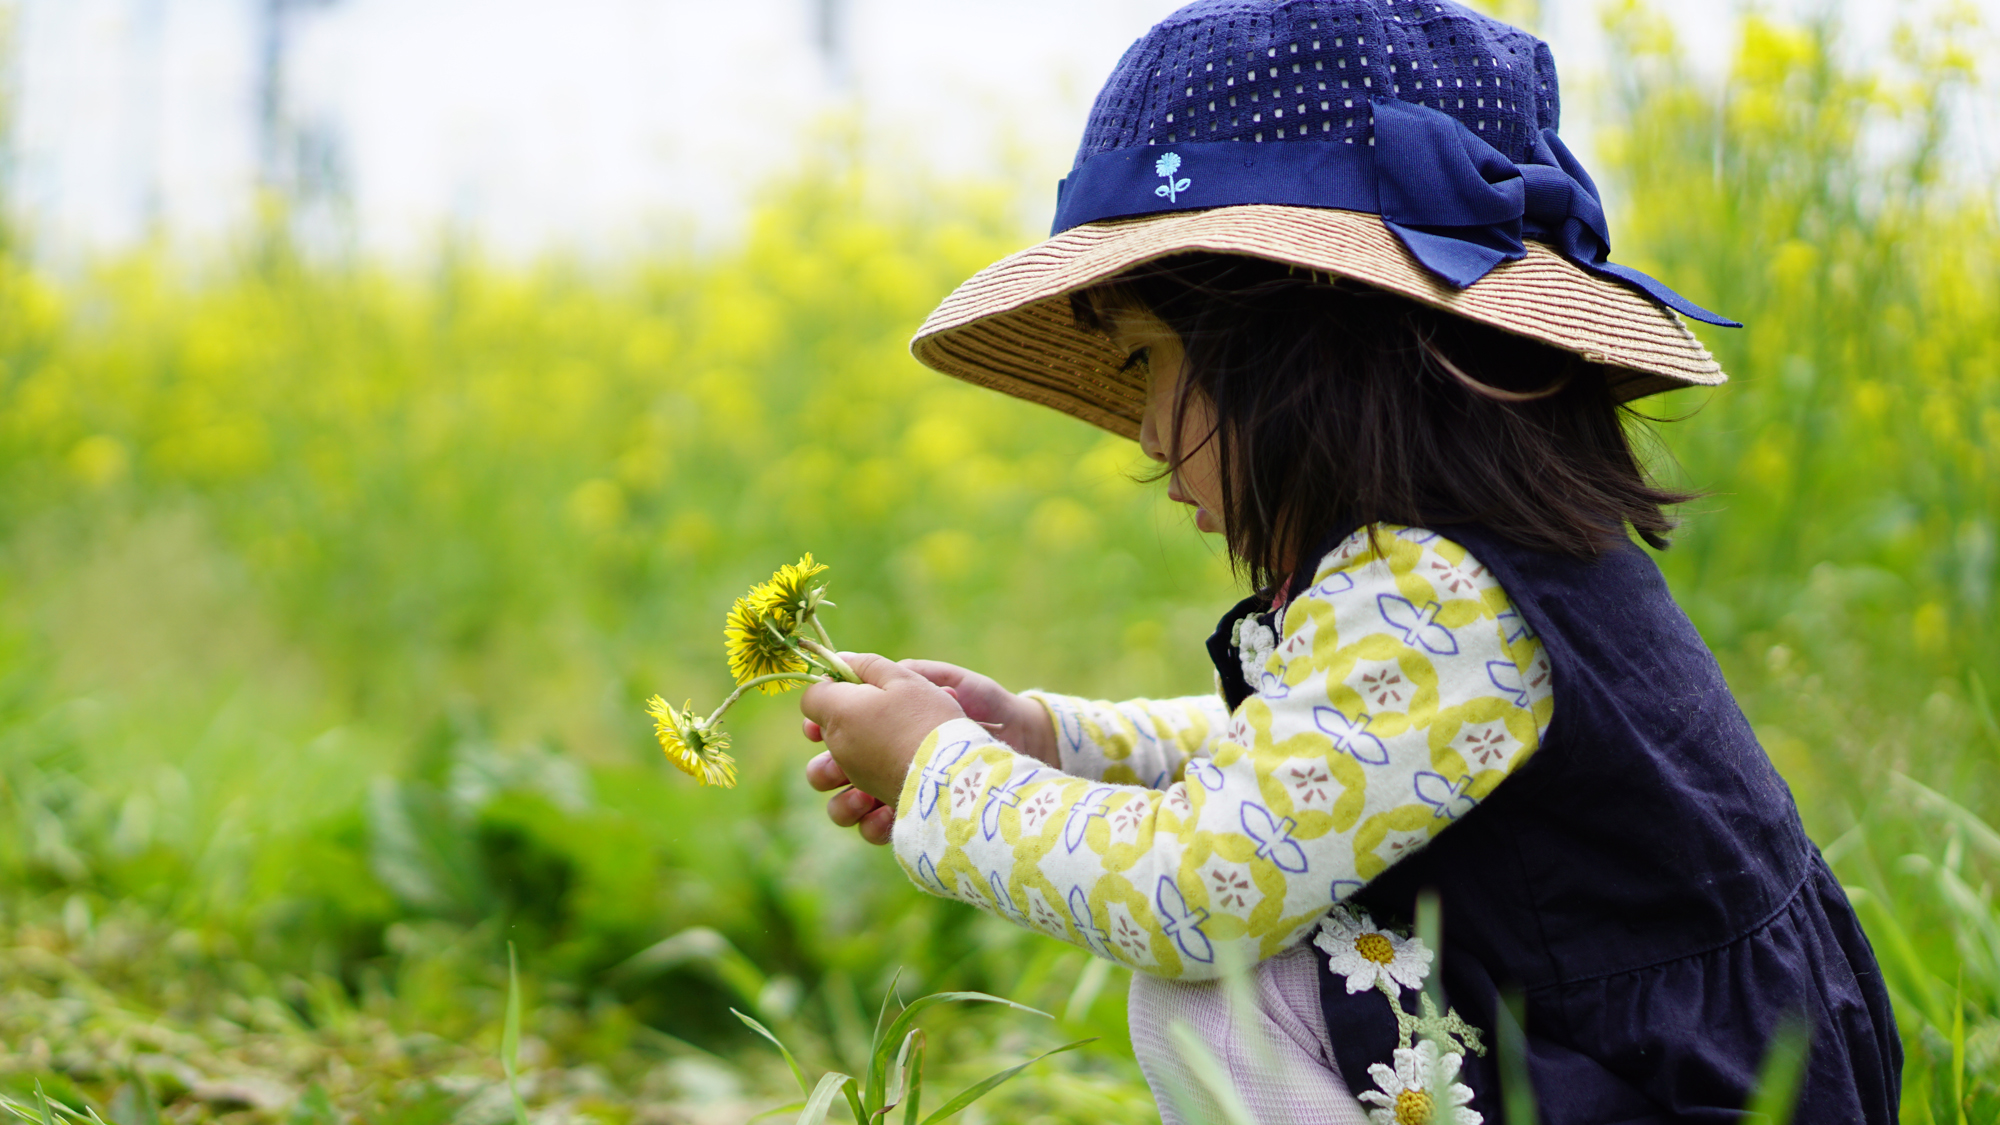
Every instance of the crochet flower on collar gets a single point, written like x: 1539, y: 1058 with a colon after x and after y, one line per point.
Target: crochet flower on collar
x: 1369, y: 956
x: 1422, y: 1089
x: 1255, y: 642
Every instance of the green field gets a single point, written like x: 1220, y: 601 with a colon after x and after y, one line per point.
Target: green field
x: 330, y: 595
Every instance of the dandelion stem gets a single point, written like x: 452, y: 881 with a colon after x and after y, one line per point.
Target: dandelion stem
x: 835, y: 666
x: 821, y: 630
x: 748, y: 684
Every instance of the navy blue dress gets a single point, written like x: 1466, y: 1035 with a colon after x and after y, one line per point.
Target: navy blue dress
x: 1643, y: 881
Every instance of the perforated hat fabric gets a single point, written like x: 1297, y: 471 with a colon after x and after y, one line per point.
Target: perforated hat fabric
x: 1240, y: 70
x: 1294, y: 88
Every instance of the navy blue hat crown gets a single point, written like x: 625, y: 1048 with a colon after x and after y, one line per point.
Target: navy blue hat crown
x: 1439, y: 119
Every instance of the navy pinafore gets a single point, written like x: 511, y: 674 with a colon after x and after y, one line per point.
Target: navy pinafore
x: 1643, y: 882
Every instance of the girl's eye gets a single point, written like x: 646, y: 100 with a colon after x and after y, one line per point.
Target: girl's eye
x: 1141, y: 358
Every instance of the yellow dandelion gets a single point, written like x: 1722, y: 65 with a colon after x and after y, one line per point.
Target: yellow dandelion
x: 790, y: 591
x: 700, y: 752
x: 754, y: 648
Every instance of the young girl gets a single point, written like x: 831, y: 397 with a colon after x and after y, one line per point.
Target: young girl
x: 1330, y: 263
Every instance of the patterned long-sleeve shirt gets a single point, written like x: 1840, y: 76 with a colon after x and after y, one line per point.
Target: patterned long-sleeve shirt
x: 1393, y: 695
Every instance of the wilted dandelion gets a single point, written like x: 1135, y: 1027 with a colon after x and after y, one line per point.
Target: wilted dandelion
x: 774, y: 641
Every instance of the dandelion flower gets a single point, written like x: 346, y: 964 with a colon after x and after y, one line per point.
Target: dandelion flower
x: 701, y: 752
x: 756, y: 641
x: 790, y: 591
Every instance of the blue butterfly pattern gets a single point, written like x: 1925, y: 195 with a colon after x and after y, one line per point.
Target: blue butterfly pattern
x: 1351, y: 735
x: 1418, y: 626
x: 1446, y: 798
x: 1516, y: 626
x: 1274, y: 837
x: 1339, y: 583
x: 928, y: 872
x: 936, y: 777
x: 1180, y: 923
x: 1080, y: 815
x: 1093, y: 935
x: 1507, y: 677
x: 997, y: 796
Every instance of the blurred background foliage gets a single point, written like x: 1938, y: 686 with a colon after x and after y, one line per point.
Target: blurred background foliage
x: 329, y: 595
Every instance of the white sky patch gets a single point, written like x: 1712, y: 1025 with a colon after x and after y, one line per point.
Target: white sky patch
x: 603, y: 126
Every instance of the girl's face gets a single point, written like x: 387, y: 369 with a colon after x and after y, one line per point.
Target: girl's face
x: 1154, y: 348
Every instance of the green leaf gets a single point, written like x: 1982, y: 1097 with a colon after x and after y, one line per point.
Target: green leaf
x: 1778, y: 1080
x: 902, y: 1025
x: 830, y: 1086
x: 985, y: 1085
x: 42, y: 1104
x: 797, y: 1073
x: 510, y: 1037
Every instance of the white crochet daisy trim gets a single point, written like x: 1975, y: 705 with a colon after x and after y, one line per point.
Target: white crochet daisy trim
x: 1422, y: 1089
x: 1368, y: 956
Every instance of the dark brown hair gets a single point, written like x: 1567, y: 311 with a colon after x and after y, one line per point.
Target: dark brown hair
x: 1337, y: 403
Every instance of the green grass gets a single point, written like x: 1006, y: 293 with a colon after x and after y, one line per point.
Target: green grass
x: 330, y: 595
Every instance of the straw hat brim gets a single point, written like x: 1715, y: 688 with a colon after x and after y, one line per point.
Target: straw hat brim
x: 1010, y: 326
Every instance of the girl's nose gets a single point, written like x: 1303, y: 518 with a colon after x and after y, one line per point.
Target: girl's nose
x: 1149, y: 439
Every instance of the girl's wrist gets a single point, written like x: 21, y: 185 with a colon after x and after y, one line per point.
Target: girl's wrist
x: 1035, y: 726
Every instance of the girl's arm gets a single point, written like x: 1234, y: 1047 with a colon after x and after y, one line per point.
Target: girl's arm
x: 1398, y: 690
x: 1138, y: 742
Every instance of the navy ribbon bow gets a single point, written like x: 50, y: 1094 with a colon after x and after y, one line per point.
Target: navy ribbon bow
x: 1458, y: 204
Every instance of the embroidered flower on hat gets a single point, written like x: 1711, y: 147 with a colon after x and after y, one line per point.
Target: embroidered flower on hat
x: 1422, y: 1089
x: 1369, y: 956
x: 1166, y: 166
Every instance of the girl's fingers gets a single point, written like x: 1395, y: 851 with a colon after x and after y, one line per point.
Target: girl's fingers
x: 812, y: 731
x: 847, y: 807
x: 878, y: 825
x: 825, y: 774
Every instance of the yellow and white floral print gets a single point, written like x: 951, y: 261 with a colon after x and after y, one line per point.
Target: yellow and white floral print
x: 1395, y: 693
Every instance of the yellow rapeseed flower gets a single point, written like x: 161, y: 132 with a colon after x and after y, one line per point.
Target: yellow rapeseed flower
x: 700, y: 752
x: 753, y: 647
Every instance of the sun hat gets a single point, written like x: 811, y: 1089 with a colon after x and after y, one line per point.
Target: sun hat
x: 1406, y: 144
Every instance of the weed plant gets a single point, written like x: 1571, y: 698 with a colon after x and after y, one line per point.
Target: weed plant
x: 330, y: 595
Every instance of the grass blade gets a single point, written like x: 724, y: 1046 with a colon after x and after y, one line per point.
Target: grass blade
x: 1959, y: 1049
x: 798, y: 1073
x: 878, y: 1052
x: 916, y: 1100
x: 788, y: 1107
x: 986, y: 1085
x: 1979, y: 833
x: 897, y: 1082
x: 42, y: 1104
x: 1784, y: 1069
x: 908, y: 1015
x: 830, y: 1085
x: 510, y: 1037
x: 1517, y: 1089
x: 1208, y: 1070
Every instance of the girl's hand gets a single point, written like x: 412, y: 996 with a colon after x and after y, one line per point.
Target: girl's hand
x: 873, y: 728
x: 1018, y: 721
